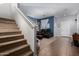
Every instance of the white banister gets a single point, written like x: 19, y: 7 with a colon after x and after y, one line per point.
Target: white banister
x: 28, y: 29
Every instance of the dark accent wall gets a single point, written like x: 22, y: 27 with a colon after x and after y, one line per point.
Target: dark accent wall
x: 51, y: 22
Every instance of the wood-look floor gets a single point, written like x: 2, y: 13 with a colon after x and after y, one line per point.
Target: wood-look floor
x: 58, y: 46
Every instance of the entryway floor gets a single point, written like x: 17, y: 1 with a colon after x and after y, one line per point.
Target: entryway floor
x: 58, y: 46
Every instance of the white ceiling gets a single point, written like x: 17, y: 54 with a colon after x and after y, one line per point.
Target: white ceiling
x: 40, y: 10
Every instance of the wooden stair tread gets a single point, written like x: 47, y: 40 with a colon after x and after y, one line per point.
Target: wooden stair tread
x: 9, y: 31
x: 10, y: 36
x: 4, y: 33
x: 11, y: 42
x: 7, y: 25
x: 13, y: 50
x: 8, y: 28
x: 27, y: 53
x: 4, y: 24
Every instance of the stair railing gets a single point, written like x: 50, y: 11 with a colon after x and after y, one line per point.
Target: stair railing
x: 33, y: 26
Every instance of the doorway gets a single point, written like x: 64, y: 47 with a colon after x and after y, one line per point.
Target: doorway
x: 65, y: 28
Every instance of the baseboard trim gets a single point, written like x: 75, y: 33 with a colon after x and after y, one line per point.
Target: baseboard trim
x: 64, y: 36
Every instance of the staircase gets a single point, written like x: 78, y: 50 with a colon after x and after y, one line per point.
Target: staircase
x: 12, y: 42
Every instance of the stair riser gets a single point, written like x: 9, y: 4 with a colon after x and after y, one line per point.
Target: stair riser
x: 6, y: 21
x: 31, y: 54
x: 11, y: 46
x: 19, y: 52
x: 9, y: 33
x: 8, y: 26
x: 11, y: 38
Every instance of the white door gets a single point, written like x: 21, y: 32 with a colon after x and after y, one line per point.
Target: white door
x: 64, y: 28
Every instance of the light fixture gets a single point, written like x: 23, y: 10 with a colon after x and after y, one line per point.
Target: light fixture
x: 75, y: 19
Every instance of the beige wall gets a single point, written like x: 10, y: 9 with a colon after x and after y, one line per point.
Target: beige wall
x: 5, y: 10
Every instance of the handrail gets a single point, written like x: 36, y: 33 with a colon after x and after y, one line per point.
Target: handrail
x: 29, y: 22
